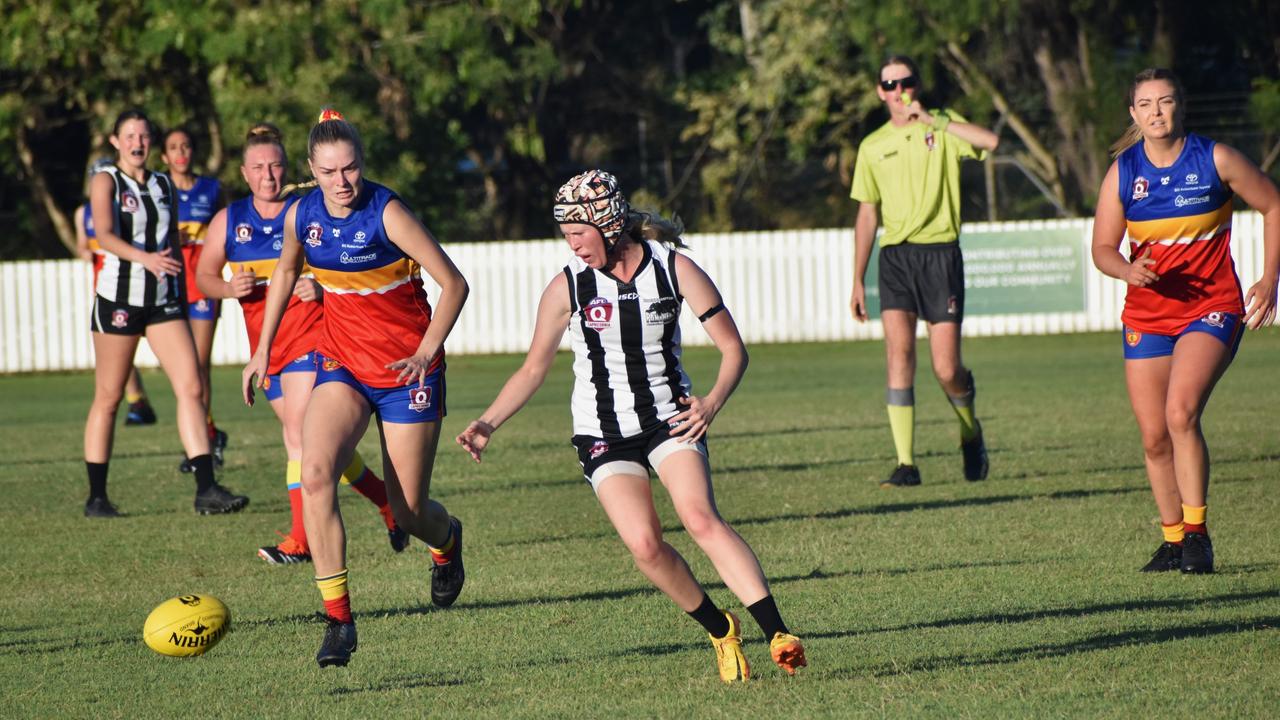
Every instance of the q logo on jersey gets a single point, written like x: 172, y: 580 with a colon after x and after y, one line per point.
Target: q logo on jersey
x: 420, y: 399
x: 244, y: 233
x: 1140, y: 185
x: 128, y: 201
x: 314, y: 233
x: 598, y: 314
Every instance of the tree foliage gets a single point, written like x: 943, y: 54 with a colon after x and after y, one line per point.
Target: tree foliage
x: 733, y: 113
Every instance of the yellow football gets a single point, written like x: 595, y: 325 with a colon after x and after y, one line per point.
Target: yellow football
x: 187, y: 625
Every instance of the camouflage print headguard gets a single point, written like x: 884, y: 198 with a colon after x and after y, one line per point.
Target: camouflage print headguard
x: 593, y: 198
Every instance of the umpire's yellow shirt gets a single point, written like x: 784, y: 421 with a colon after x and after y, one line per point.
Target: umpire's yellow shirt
x: 913, y: 173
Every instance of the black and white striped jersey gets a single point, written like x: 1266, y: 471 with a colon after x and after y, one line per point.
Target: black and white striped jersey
x: 145, y: 215
x: 626, y: 346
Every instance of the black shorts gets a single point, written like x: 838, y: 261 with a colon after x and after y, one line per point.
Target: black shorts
x: 115, y: 318
x: 635, y: 455
x: 927, y: 280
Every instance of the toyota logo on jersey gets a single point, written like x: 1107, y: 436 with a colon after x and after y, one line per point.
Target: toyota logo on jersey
x: 598, y: 313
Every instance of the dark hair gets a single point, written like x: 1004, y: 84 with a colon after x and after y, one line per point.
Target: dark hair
x: 126, y: 116
x: 898, y: 60
x: 1133, y: 133
x: 191, y: 139
x: 332, y: 130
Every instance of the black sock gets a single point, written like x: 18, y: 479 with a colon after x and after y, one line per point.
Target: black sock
x: 765, y: 611
x: 97, y: 479
x: 203, y: 465
x: 711, y: 618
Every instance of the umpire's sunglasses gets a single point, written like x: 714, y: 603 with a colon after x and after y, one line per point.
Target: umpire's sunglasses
x: 907, y: 83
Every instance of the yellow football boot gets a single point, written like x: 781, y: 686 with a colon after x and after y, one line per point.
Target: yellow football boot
x: 730, y: 661
x: 787, y: 652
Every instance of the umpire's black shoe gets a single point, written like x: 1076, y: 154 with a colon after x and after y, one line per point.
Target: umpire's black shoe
x: 903, y: 476
x: 975, y: 457
x: 1167, y: 557
x: 1197, y: 553
x: 339, y: 642
x: 217, y: 500
x: 447, y: 578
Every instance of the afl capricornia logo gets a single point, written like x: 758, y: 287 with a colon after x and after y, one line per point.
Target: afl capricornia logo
x: 314, y: 233
x: 244, y: 233
x: 420, y: 399
x: 598, y: 313
x: 1140, y: 185
x: 1132, y: 337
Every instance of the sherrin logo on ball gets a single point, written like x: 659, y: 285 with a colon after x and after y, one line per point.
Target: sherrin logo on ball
x: 187, y: 625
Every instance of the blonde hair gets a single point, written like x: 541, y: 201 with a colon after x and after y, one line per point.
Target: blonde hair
x: 1133, y: 133
x: 645, y: 225
x: 264, y: 133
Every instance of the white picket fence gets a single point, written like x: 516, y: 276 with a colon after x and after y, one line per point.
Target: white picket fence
x: 784, y: 286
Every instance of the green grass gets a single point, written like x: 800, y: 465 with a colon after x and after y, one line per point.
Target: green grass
x: 1013, y: 597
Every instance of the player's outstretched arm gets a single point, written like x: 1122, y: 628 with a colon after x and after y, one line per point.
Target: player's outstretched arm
x: 705, y: 301
x: 552, y: 321
x: 1246, y: 180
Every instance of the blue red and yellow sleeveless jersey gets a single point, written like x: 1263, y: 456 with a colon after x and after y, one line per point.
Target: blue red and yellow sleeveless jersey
x: 1183, y: 213
x: 376, y: 308
x: 196, y: 207
x: 254, y: 242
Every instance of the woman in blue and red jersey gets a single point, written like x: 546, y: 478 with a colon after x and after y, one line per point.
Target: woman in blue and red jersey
x: 249, y: 234
x: 199, y: 197
x: 1171, y: 192
x: 381, y: 353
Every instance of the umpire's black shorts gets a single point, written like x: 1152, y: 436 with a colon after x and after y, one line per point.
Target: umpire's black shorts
x: 927, y: 280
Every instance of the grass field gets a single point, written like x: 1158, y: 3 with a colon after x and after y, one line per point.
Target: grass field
x: 1013, y: 597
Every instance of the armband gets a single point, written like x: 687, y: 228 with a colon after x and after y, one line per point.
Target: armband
x: 711, y: 313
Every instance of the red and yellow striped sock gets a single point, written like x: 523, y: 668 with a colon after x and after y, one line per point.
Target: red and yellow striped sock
x: 1172, y: 533
x: 443, y: 554
x: 362, y: 480
x: 333, y: 590
x: 1193, y: 519
x: 293, y: 483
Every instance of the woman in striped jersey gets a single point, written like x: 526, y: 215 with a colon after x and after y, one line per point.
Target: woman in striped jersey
x: 139, y: 411
x: 1170, y: 192
x: 249, y: 234
x: 633, y: 406
x: 381, y: 353
x: 199, y: 197
x: 135, y: 220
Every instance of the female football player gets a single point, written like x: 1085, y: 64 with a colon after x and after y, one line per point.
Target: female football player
x: 199, y: 197
x: 249, y: 234
x: 135, y: 223
x: 633, y: 405
x: 1171, y: 192
x: 138, y: 407
x: 381, y: 353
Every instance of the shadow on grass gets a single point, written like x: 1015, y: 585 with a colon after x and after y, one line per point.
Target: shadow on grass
x: 404, y: 682
x: 1101, y: 642
x: 1106, y: 641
